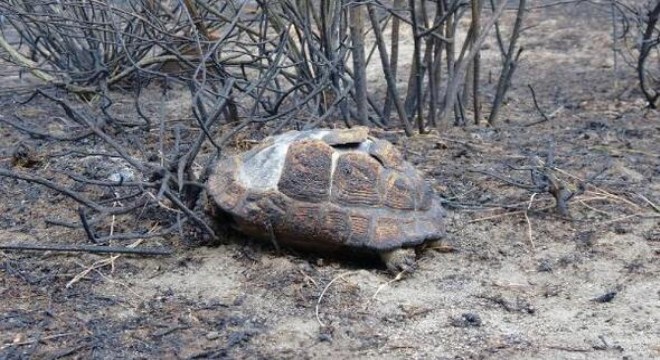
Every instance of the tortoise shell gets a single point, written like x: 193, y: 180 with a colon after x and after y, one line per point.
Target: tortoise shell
x: 323, y: 189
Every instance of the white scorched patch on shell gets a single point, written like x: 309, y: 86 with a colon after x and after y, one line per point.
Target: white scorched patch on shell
x: 262, y: 170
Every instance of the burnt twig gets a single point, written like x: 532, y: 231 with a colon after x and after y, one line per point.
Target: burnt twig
x: 88, y: 249
x: 86, y: 226
x: 72, y: 194
x: 538, y: 108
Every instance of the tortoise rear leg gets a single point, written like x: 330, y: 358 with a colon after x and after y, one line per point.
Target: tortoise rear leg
x: 399, y: 260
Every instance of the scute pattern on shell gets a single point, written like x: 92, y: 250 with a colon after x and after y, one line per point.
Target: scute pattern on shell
x: 400, y: 192
x: 306, y: 172
x: 355, y: 180
x: 328, y: 189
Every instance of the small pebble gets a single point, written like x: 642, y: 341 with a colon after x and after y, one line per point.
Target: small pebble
x: 212, y: 335
x: 468, y: 319
x: 605, y: 298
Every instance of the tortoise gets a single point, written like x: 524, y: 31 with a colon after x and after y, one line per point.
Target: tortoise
x: 330, y: 190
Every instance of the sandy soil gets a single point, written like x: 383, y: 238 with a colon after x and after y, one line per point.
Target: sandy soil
x: 516, y: 285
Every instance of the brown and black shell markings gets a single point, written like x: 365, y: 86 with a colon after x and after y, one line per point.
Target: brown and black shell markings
x: 328, y: 189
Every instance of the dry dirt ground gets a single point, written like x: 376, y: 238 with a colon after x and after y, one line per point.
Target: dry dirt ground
x: 517, y: 284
